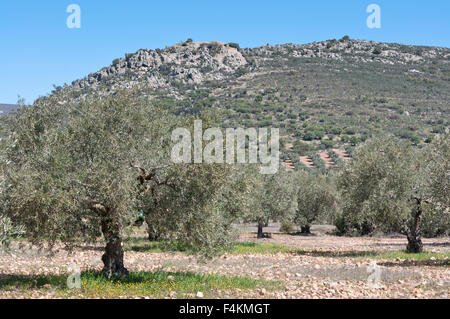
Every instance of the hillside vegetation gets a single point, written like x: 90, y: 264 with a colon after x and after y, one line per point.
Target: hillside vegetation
x: 324, y: 96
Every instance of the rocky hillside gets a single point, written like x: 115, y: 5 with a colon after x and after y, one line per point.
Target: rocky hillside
x: 197, y: 62
x: 186, y: 63
x: 6, y: 108
x: 324, y: 96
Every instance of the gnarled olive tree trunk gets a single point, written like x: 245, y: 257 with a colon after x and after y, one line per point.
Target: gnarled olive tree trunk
x: 306, y: 229
x: 113, y: 256
x: 414, y: 235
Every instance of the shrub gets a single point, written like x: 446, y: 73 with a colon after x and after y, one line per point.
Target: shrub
x: 301, y: 147
x: 377, y: 50
x: 287, y: 227
x: 8, y: 231
x: 327, y: 144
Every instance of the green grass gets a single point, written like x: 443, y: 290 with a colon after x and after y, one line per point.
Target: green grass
x: 247, y: 248
x: 244, y: 248
x: 241, y: 248
x: 138, y: 284
x: 424, y: 258
x: 144, y: 245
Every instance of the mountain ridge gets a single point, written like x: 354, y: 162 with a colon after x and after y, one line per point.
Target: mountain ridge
x: 329, y: 95
x: 144, y: 61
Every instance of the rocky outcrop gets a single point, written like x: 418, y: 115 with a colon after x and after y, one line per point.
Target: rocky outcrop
x: 187, y: 62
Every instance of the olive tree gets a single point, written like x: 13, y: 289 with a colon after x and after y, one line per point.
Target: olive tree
x: 76, y: 171
x: 316, y: 199
x: 273, y: 199
x: 389, y: 183
x: 70, y: 168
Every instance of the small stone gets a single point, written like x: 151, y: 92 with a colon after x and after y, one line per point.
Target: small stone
x: 199, y: 294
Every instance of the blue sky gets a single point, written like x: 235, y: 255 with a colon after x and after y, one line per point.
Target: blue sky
x: 37, y: 49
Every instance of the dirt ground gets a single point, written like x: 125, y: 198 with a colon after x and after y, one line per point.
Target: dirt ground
x: 327, y: 267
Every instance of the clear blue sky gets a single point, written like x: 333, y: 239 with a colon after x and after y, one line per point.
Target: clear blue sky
x: 37, y: 49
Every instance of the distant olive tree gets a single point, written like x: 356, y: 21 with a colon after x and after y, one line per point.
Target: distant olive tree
x: 390, y: 185
x: 316, y: 199
x: 273, y: 199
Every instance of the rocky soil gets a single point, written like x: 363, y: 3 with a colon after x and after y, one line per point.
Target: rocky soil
x: 325, y: 267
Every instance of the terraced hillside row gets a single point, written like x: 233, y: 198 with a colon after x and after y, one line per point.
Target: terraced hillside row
x: 327, y: 159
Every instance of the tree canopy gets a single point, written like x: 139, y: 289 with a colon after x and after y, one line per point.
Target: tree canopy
x: 75, y: 171
x: 389, y: 183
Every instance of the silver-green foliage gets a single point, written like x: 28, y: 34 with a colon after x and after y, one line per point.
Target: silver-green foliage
x: 391, y: 186
x: 196, y: 204
x: 7, y: 229
x: 74, y: 171
x: 69, y: 165
x: 273, y: 198
x: 317, y: 199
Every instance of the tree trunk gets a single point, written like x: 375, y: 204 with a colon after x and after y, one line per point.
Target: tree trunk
x: 260, y: 230
x: 113, y: 256
x: 152, y: 234
x: 305, y: 229
x: 414, y: 236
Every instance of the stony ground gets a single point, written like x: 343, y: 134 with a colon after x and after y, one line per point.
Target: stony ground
x: 324, y: 267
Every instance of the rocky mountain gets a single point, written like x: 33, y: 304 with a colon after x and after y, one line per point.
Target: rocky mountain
x: 326, y: 97
x: 187, y: 62
x: 6, y: 108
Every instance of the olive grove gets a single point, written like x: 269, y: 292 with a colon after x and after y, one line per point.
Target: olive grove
x: 76, y: 171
